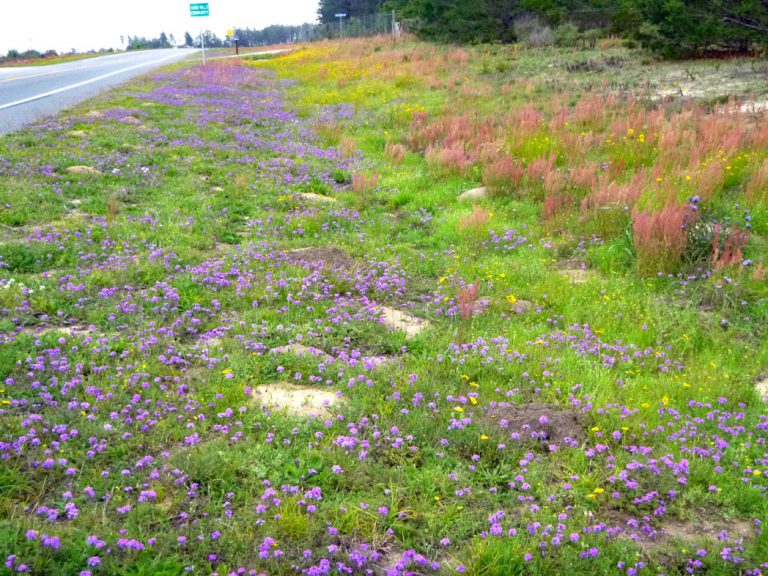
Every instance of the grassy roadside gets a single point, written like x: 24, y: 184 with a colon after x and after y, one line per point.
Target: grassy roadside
x: 559, y: 406
x: 49, y: 60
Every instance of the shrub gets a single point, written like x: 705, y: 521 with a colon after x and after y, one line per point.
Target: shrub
x: 532, y: 32
x: 566, y: 35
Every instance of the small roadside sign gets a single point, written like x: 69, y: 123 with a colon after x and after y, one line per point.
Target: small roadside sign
x: 230, y: 32
x: 199, y: 9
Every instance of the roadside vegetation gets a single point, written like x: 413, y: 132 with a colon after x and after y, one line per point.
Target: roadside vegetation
x: 376, y: 308
x: 35, y: 58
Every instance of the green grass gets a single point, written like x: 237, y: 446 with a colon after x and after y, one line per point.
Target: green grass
x: 178, y: 256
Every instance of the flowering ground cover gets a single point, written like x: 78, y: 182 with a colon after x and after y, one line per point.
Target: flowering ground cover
x: 246, y: 326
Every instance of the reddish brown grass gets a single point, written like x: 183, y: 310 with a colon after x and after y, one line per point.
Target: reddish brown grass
x: 467, y: 296
x: 660, y: 237
x: 395, y: 153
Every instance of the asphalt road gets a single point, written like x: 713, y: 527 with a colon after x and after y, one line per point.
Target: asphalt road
x: 33, y: 92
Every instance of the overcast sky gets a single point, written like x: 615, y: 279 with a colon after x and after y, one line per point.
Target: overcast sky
x: 92, y: 24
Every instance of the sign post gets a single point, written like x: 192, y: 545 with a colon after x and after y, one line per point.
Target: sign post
x: 341, y: 16
x: 231, y: 33
x: 199, y: 10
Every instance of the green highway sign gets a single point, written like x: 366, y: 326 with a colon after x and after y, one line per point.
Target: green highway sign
x: 199, y: 9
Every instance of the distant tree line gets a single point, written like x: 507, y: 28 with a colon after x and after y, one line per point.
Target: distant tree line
x: 142, y: 43
x: 16, y: 56
x: 673, y: 28
x: 275, y: 34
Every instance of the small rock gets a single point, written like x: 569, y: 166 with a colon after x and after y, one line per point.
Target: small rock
x: 301, y: 350
x: 217, y: 189
x: 762, y: 388
x: 578, y: 275
x: 83, y: 170
x: 521, y: 306
x: 312, y: 197
x: 474, y: 194
x: 398, y: 320
x: 296, y: 400
x: 76, y: 133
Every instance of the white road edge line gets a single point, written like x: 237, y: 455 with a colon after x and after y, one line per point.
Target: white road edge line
x: 83, y: 83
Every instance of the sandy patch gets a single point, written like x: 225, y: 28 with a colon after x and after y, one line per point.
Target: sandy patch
x: 82, y: 170
x: 296, y: 400
x: 312, y: 197
x: 397, y: 320
x: 301, y: 350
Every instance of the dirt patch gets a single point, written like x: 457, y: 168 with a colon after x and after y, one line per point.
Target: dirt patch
x: 312, y: 197
x: 296, y: 400
x: 77, y: 133
x: 706, y: 527
x: 654, y: 536
x: 383, y: 556
x: 130, y: 120
x: 332, y: 257
x: 389, y: 556
x: 301, y: 350
x: 397, y: 320
x: 83, y: 170
x: 538, y: 423
x: 73, y: 330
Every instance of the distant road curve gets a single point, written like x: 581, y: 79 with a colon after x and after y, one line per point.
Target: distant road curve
x: 33, y: 92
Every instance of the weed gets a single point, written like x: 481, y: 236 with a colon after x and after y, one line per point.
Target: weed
x: 660, y: 238
x: 467, y: 297
x: 395, y: 153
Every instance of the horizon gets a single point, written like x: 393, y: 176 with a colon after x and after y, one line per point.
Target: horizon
x: 86, y: 25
